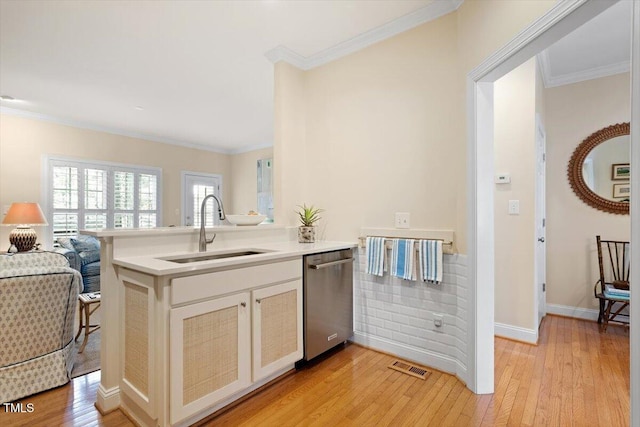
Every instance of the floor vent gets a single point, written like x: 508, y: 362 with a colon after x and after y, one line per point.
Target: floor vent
x: 410, y: 369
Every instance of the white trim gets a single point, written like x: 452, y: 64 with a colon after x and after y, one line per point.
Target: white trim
x: 545, y: 66
x: 575, y: 312
x: 107, y: 400
x: 111, y: 130
x: 583, y: 75
x: 563, y: 18
x: 249, y: 148
x: 530, y: 336
x: 414, y: 354
x: 428, y: 13
x: 635, y: 215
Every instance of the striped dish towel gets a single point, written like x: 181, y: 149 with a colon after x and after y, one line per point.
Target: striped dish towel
x: 430, y: 256
x: 403, y: 259
x: 376, y: 253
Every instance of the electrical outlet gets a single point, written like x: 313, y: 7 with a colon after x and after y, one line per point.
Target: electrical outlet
x: 403, y: 219
x: 438, y: 321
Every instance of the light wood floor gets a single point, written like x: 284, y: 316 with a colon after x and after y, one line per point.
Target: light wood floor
x: 575, y: 376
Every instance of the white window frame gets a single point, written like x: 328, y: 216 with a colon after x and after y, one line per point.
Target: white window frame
x: 50, y: 162
x: 183, y: 193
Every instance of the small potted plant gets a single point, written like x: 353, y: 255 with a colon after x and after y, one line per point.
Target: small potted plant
x: 308, y: 216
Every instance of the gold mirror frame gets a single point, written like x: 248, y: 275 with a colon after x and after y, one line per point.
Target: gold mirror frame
x: 574, y: 171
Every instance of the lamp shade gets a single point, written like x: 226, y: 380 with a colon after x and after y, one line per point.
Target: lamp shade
x: 24, y: 214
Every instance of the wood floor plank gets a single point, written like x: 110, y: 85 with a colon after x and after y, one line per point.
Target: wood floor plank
x: 576, y: 375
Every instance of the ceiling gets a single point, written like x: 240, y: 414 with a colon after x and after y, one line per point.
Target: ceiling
x: 599, y: 48
x: 195, y: 73
x: 200, y: 73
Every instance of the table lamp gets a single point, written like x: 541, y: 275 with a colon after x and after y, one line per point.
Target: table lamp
x: 23, y: 216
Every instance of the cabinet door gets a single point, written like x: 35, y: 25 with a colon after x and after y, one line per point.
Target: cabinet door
x: 277, y: 327
x: 210, y: 353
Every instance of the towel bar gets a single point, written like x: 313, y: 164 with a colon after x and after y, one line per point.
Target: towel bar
x: 388, y: 241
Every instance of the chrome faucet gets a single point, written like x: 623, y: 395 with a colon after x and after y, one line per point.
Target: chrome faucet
x: 202, y: 245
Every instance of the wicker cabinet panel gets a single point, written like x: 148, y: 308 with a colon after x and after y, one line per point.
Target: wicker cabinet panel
x: 277, y: 327
x: 210, y: 348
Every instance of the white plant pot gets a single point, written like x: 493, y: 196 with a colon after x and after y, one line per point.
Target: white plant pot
x: 306, y: 234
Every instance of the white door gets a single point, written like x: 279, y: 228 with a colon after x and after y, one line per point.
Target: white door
x: 195, y: 186
x: 541, y: 249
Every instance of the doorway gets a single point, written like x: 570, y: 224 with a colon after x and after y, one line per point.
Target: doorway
x: 559, y: 21
x: 195, y: 187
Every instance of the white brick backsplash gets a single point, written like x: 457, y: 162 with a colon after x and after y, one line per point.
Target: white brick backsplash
x: 396, y: 315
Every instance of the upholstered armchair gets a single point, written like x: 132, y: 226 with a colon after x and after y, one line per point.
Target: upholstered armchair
x: 83, y: 253
x: 38, y: 300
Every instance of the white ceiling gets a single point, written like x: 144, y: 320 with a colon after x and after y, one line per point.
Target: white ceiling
x: 186, y: 72
x: 599, y: 48
x: 200, y: 73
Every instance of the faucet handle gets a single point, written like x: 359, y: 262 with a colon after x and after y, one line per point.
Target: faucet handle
x: 211, y: 240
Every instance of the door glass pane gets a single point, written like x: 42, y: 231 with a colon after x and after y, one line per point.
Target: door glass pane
x: 199, y: 193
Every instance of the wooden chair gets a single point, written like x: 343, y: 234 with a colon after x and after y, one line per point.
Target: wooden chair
x: 613, y: 286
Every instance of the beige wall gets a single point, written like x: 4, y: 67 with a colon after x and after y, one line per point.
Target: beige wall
x: 515, y: 153
x: 573, y: 113
x: 244, y: 175
x: 383, y: 130
x: 24, y: 142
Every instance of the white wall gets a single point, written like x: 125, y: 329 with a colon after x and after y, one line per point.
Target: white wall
x: 573, y: 113
x: 515, y: 153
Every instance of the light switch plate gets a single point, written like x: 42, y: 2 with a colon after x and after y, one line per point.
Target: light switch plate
x: 403, y: 220
x: 514, y: 207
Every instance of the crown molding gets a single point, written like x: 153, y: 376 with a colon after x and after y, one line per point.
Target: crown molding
x: 428, y: 13
x: 114, y: 131
x: 579, y: 76
x: 249, y: 148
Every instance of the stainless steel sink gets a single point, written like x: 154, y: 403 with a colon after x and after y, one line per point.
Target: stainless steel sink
x: 211, y: 256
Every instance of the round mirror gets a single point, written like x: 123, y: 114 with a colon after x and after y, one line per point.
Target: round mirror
x: 599, y: 169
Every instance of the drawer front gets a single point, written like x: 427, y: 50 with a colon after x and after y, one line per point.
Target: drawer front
x: 208, y: 285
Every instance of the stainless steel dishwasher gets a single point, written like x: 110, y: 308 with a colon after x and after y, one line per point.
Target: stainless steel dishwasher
x: 328, y: 301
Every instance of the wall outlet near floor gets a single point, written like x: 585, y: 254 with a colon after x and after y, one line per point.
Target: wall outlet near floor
x: 403, y: 219
x: 438, y: 321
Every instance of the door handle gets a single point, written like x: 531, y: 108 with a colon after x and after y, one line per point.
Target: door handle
x: 541, y: 239
x: 330, y: 263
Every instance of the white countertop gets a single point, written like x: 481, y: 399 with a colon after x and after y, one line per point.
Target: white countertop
x: 156, y: 266
x: 167, y: 231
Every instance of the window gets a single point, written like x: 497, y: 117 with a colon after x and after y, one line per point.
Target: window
x: 90, y: 195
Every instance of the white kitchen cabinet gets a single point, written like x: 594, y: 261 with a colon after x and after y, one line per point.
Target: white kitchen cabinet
x: 210, y: 353
x: 277, y: 327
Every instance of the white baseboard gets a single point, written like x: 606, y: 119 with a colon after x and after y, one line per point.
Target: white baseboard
x: 413, y: 354
x: 577, y: 312
x: 516, y: 333
x: 107, y: 400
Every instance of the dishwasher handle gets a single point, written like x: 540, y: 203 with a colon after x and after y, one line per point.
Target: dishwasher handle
x: 330, y: 263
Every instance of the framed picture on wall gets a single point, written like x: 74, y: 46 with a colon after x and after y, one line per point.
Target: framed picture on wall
x: 620, y: 171
x: 621, y: 190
